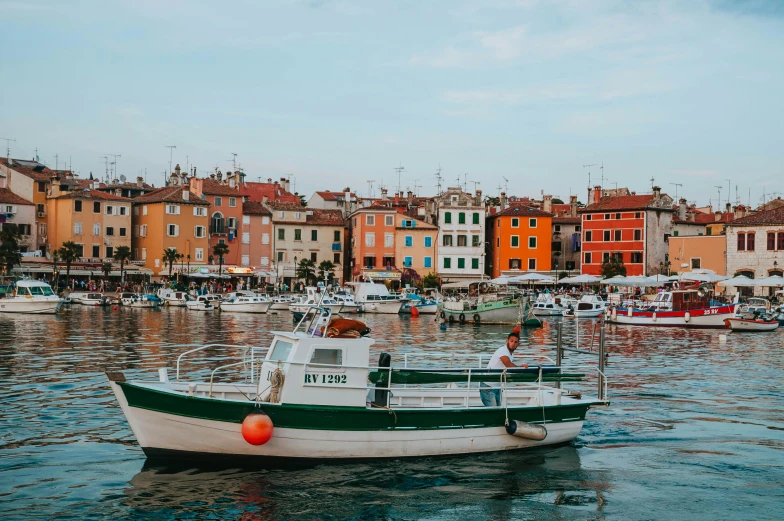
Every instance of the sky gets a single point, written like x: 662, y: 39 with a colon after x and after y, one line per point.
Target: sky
x: 502, y: 94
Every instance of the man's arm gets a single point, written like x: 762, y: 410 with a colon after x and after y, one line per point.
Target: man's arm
x: 508, y: 363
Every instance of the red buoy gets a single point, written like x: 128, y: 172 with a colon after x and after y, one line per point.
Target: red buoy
x: 115, y: 308
x: 414, y: 311
x: 516, y: 329
x: 257, y: 428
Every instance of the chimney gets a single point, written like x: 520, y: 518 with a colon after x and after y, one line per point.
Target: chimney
x: 269, y: 180
x: 547, y: 203
x: 212, y: 176
x: 185, y: 193
x: 232, y: 182
x: 656, y: 192
x: 185, y: 180
x: 410, y: 195
x: 682, y: 209
x: 503, y: 200
x: 573, y: 205
x: 140, y: 182
x: 397, y: 197
x: 174, y: 180
x: 384, y: 196
x: 284, y: 183
x: 264, y: 199
x: 177, y: 169
x: 219, y: 176
x: 478, y: 198
x: 728, y: 208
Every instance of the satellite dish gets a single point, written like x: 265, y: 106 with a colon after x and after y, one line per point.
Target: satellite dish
x: 122, y: 178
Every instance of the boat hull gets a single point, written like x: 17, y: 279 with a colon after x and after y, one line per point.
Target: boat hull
x: 29, y: 306
x: 497, y: 315
x: 280, y: 306
x: 548, y: 312
x: 305, y: 308
x: 167, y: 424
x: 387, y: 307
x: 245, y: 307
x: 698, y: 318
x: 425, y: 309
x: 742, y: 324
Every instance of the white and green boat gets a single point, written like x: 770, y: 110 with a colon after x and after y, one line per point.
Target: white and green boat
x: 478, y: 302
x: 326, y: 403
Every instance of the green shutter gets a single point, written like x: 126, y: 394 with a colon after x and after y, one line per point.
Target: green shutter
x: 474, y: 264
x: 448, y: 217
x: 476, y: 217
x: 460, y: 263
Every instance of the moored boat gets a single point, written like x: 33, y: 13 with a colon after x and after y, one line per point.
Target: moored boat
x: 548, y: 305
x: 172, y: 297
x: 281, y: 302
x: 199, y: 304
x: 245, y: 304
x: 308, y: 398
x: 88, y: 298
x: 589, y: 306
x: 680, y: 308
x: 31, y: 297
x: 751, y: 324
x: 136, y: 300
x: 315, y: 296
x: 478, y: 302
x: 375, y: 298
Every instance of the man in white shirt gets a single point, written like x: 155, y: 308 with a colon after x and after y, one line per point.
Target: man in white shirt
x: 490, y: 393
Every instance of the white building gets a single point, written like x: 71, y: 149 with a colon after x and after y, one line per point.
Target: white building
x: 755, y: 246
x: 344, y: 201
x: 461, y: 232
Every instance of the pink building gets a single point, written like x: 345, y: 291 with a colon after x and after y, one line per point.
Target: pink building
x: 256, y: 236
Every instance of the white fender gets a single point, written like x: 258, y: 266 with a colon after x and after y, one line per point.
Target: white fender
x: 654, y: 316
x: 614, y: 313
x: 687, y: 316
x: 630, y: 312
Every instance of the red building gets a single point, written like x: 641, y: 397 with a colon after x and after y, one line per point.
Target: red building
x: 633, y: 229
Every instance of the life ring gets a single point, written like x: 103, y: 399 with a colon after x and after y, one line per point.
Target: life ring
x: 676, y: 285
x: 451, y: 319
x: 462, y: 318
x: 687, y: 317
x: 443, y: 314
x: 477, y: 318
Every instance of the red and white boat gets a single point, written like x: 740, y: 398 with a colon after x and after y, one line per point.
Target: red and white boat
x: 677, y: 308
x: 751, y: 324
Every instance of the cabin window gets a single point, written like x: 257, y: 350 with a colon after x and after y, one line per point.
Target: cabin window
x: 327, y: 356
x: 280, y: 351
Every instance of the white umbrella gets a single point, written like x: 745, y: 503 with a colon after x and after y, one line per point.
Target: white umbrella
x: 531, y: 277
x: 740, y: 281
x: 614, y: 281
x: 581, y: 279
x: 702, y: 276
x: 774, y: 281
x: 501, y: 280
x: 663, y: 279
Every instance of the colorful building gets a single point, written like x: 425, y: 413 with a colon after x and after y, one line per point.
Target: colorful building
x: 755, y: 246
x: 461, y: 235
x: 21, y: 212
x: 171, y: 217
x: 256, y: 236
x: 373, y: 252
x: 520, y: 240
x: 633, y: 229
x: 415, y: 245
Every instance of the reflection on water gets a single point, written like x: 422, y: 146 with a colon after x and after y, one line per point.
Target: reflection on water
x: 691, y: 418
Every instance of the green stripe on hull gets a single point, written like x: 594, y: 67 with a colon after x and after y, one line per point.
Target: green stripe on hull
x: 323, y: 417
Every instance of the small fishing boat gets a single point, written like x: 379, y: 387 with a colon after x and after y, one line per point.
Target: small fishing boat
x: 589, y: 306
x: 375, y: 298
x: 548, y: 305
x: 424, y: 306
x: 31, y: 297
x: 281, y: 302
x: 692, y: 307
x: 751, y: 324
x: 245, y: 304
x: 172, y: 297
x: 478, y: 302
x: 201, y: 303
x: 315, y: 296
x: 345, y: 298
x: 136, y: 300
x: 88, y: 298
x: 311, y: 398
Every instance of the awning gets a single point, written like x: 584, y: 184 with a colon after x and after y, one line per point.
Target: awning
x: 381, y: 274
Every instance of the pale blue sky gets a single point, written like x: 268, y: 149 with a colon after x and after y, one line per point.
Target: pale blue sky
x: 339, y: 92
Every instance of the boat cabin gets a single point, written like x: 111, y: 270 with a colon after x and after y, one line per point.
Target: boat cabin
x: 682, y: 300
x: 32, y: 288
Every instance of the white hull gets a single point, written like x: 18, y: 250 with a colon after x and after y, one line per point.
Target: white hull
x: 698, y: 321
x: 349, y: 309
x: 280, y: 306
x: 500, y: 315
x: 30, y: 306
x: 304, y: 308
x: 739, y: 324
x: 157, y: 431
x: 245, y: 307
x: 175, y: 303
x: 390, y: 307
x: 427, y: 309
x: 199, y: 306
x: 148, y: 304
x: 588, y: 313
x: 547, y: 312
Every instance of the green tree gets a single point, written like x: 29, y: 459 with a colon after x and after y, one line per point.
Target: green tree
x: 557, y: 201
x: 106, y: 268
x: 55, y: 258
x: 326, y: 271
x: 220, y: 250
x: 411, y: 277
x: 170, y: 257
x: 430, y: 280
x: 613, y: 267
x: 9, y: 246
x: 122, y: 254
x: 306, y: 269
x: 69, y: 252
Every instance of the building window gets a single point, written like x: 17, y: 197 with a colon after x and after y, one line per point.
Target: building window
x: 428, y: 262
x: 389, y: 240
x: 555, y: 246
x: 298, y: 215
x: 123, y: 232
x: 637, y: 235
x: 428, y: 242
x: 96, y: 230
x: 280, y: 256
x: 618, y: 216
x: 336, y: 258
x: 231, y: 222
x: 336, y: 236
x: 474, y: 263
x: 514, y: 264
x: 409, y: 241
x: 587, y: 258
x: 515, y: 241
x: 447, y: 263
x: 637, y: 215
x: 460, y: 263
x: 741, y: 242
x: 217, y: 223
x: 389, y: 220
x: 750, y: 241
x: 606, y: 235
x: 123, y: 210
x: 171, y: 209
x: 172, y: 230
x: 531, y: 264
x: 246, y: 260
x: 42, y: 229
x: 515, y: 222
x: 588, y: 235
x: 109, y: 252
x: 77, y: 206
x: 476, y: 218
x: 532, y: 223
x: 245, y: 238
x: 281, y: 234
x: 460, y: 220
x: 42, y: 186
x: 109, y: 210
x: 578, y: 228
x: 588, y: 217
x: 232, y: 202
x: 779, y: 247
x: 96, y: 207
x: 313, y: 235
x: 447, y: 240
x: 617, y: 235
x: 636, y: 257
x: 370, y: 239
x: 696, y: 263
x: 297, y: 234
x: 199, y: 232
x: 475, y: 241
x: 605, y: 257
x: 109, y: 231
x: 219, y: 201
x: 199, y: 254
x: 462, y: 240
x: 607, y: 217
x: 370, y: 262
x: 313, y: 255
x: 532, y: 242
x: 408, y: 262
x: 199, y: 211
x: 264, y: 238
x: 557, y: 228
x: 447, y: 217
x: 144, y: 253
x: 370, y: 220
x: 143, y: 230
x: 144, y: 210
x: 771, y: 241
x: 96, y: 251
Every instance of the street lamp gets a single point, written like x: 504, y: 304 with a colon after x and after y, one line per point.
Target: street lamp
x: 189, y: 263
x: 295, y: 272
x: 556, y: 270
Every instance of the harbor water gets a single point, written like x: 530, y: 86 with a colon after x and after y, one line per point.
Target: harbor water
x: 695, y: 429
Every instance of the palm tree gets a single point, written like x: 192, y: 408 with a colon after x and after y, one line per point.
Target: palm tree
x: 106, y: 268
x: 55, y: 258
x: 306, y: 270
x: 170, y: 257
x: 69, y: 252
x: 326, y: 271
x: 123, y: 255
x: 219, y: 250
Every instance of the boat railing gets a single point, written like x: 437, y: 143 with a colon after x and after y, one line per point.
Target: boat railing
x: 201, y: 347
x: 479, y: 357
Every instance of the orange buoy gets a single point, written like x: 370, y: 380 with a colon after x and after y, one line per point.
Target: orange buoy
x: 516, y: 329
x: 257, y: 428
x: 414, y: 311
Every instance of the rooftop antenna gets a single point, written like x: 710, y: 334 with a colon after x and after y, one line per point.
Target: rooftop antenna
x: 106, y: 165
x: 370, y: 187
x: 438, y: 178
x: 475, y: 184
x: 652, y: 180
x: 417, y: 186
x: 171, y: 151
x: 506, y: 184
x: 36, y: 153
x: 729, y: 189
x: 233, y: 162
x: 718, y: 206
x: 55, y: 162
x: 465, y: 182
x: 676, y: 190
x: 589, y: 172
x: 399, y: 169
x: 8, y: 142
x: 115, y: 156
x: 602, y: 169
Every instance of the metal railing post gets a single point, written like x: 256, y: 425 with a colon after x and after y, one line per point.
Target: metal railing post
x: 559, y: 350
x: 601, y: 363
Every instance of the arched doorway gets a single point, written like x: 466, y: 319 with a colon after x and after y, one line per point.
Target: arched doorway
x: 745, y: 291
x: 775, y: 272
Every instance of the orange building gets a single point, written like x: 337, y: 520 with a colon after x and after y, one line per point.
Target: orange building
x: 373, y: 244
x: 698, y: 252
x: 520, y: 240
x: 225, y: 197
x: 171, y: 217
x: 415, y: 244
x: 99, y: 222
x: 256, y: 235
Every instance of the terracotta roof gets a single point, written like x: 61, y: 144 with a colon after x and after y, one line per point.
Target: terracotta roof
x: 291, y: 206
x: 774, y: 216
x: 127, y: 186
x: 32, y: 169
x: 89, y: 194
x: 8, y: 197
x: 567, y: 220
x: 210, y: 186
x: 325, y: 217
x: 169, y: 194
x: 272, y: 191
x: 517, y: 209
x: 561, y: 208
x: 623, y: 202
x: 333, y: 196
x: 254, y: 208
x: 710, y: 218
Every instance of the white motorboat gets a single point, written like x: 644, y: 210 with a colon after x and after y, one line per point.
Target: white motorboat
x: 552, y: 305
x: 201, y: 303
x: 751, y: 324
x: 281, y: 302
x: 589, y: 306
x: 136, y: 300
x: 88, y: 298
x: 315, y: 297
x: 31, y: 296
x: 172, y: 297
x: 375, y: 298
x: 212, y: 298
x: 425, y: 306
x: 245, y: 304
x: 349, y: 306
